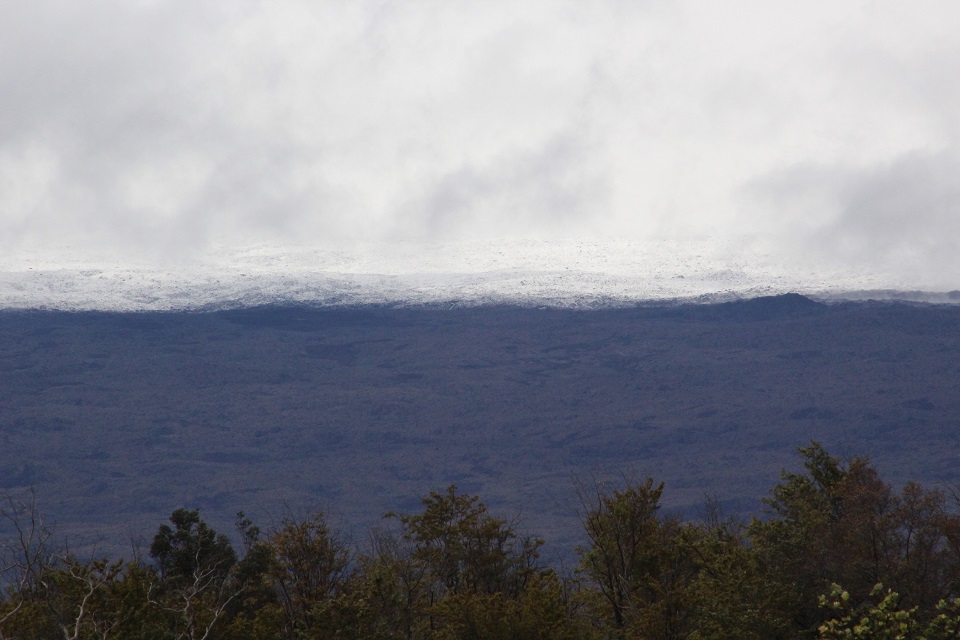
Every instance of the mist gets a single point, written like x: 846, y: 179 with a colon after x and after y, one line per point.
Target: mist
x: 826, y: 130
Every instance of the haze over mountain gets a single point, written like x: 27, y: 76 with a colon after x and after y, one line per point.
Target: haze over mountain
x: 577, y: 274
x: 164, y: 133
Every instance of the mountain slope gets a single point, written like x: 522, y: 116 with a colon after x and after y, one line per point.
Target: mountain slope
x: 117, y: 419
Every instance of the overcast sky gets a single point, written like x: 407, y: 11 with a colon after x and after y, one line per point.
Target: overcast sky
x: 828, y: 127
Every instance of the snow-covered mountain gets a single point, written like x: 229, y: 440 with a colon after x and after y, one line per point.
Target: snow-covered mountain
x: 564, y: 273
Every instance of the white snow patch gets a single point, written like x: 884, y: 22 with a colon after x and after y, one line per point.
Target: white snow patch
x: 566, y: 273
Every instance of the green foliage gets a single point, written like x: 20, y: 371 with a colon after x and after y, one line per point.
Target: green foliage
x: 308, y: 568
x: 466, y: 574
x: 884, y: 618
x: 733, y: 596
x: 465, y: 549
x: 639, y: 561
x: 191, y: 548
x: 198, y: 587
x: 89, y: 599
x: 946, y: 621
x: 537, y: 613
x: 840, y: 523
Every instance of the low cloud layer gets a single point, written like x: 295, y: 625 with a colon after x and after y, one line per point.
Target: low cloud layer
x: 168, y: 126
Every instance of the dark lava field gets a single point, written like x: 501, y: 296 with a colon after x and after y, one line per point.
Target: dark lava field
x: 117, y: 419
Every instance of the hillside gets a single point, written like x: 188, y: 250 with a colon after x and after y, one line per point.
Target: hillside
x: 116, y: 419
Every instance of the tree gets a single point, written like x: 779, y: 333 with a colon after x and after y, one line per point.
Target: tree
x: 638, y: 560
x: 191, y: 547
x: 732, y: 596
x: 884, y: 620
x: 803, y: 543
x: 468, y: 550
x: 308, y: 567
x: 196, y: 585
x: 458, y: 572
x: 884, y: 617
x: 387, y: 594
x: 840, y: 523
x: 53, y: 593
x: 25, y: 555
x: 82, y: 597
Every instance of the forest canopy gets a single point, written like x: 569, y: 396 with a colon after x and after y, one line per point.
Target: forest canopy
x: 837, y: 553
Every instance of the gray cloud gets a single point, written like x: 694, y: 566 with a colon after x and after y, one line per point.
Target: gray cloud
x: 549, y: 191
x: 166, y: 126
x: 906, y: 212
x: 902, y: 215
